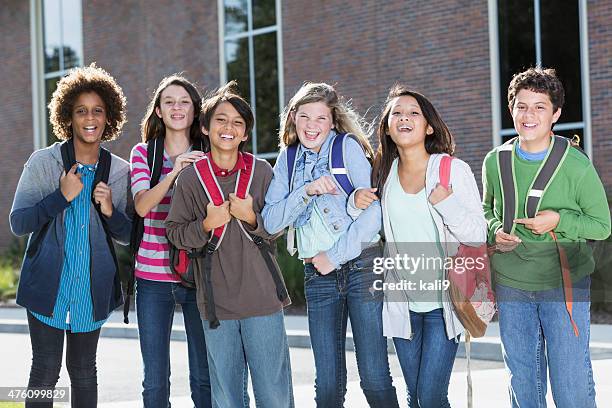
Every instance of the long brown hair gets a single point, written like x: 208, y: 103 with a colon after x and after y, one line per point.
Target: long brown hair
x: 152, y: 126
x: 344, y: 117
x: 440, y: 141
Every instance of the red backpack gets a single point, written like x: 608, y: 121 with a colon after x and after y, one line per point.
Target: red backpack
x: 470, y: 285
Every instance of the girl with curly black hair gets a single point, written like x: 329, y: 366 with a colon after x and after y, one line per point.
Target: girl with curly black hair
x: 69, y: 279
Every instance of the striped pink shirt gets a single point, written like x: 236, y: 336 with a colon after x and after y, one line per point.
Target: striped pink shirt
x: 152, y: 260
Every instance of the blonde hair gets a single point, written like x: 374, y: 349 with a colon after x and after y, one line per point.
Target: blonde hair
x: 344, y: 117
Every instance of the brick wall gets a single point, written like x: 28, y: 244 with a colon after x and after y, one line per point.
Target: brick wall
x: 600, y: 59
x: 139, y: 44
x: 16, y: 136
x: 438, y: 47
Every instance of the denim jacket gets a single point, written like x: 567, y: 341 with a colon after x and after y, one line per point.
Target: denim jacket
x: 286, y: 208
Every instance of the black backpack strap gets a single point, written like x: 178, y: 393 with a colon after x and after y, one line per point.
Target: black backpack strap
x: 210, y: 298
x: 155, y: 159
x: 547, y: 172
x: 266, y: 253
x: 506, y: 176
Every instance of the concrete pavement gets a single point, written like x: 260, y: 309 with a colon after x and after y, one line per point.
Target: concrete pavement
x: 120, y: 366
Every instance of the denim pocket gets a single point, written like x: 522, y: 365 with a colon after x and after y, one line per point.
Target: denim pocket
x: 310, y: 274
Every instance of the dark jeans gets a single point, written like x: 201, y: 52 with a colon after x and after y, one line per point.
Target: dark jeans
x: 155, y: 303
x: 427, y: 360
x: 47, y: 351
x: 331, y: 300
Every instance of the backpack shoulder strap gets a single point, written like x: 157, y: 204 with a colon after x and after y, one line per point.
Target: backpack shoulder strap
x: 291, y: 157
x: 557, y: 153
x: 245, y: 177
x: 155, y: 159
x: 211, y: 187
x: 68, y: 155
x: 337, y: 163
x: 102, y: 172
x: 505, y: 170
x: 445, y: 170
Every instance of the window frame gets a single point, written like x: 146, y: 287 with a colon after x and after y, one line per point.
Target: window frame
x: 39, y: 76
x: 496, y: 103
x: 249, y: 34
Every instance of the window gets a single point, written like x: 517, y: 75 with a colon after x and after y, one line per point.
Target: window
x: 250, y: 52
x: 61, y: 37
x: 546, y: 33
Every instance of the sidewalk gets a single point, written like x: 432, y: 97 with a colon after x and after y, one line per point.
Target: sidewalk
x: 13, y: 320
x: 120, y: 365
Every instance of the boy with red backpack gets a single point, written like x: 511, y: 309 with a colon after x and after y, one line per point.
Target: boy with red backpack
x: 215, y: 217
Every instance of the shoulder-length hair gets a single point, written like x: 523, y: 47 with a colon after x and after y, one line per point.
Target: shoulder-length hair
x: 152, y: 126
x: 344, y: 117
x: 440, y: 141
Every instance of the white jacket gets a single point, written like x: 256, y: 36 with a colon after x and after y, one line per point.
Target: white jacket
x: 459, y: 219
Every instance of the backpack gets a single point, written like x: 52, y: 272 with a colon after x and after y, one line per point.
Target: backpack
x: 155, y: 161
x: 557, y: 153
x: 181, y: 261
x: 336, y: 168
x: 101, y: 175
x: 470, y: 289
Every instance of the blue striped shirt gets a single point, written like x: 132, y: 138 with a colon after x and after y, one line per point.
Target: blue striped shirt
x: 73, y: 308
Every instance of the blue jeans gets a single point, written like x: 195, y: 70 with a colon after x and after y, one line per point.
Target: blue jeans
x: 427, y: 360
x: 331, y: 299
x: 155, y: 303
x: 258, y: 344
x: 536, y: 333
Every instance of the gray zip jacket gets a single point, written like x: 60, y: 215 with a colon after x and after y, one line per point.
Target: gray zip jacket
x: 39, y: 202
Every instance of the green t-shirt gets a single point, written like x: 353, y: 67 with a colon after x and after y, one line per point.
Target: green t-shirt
x: 576, y: 193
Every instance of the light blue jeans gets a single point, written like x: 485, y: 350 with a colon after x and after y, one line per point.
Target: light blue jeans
x: 537, y: 336
x: 258, y: 344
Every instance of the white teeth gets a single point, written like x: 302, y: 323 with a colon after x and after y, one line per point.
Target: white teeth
x: 529, y: 124
x: 177, y: 116
x: 229, y: 137
x: 90, y: 127
x: 312, y: 133
x: 405, y: 128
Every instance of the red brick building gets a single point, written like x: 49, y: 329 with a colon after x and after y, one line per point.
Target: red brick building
x: 460, y: 53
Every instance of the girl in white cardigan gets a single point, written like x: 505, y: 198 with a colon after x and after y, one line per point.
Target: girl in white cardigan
x: 422, y: 222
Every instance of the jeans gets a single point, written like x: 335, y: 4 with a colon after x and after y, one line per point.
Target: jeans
x: 332, y: 299
x: 155, y: 303
x: 258, y: 344
x: 537, y: 335
x: 47, y: 351
x: 427, y: 360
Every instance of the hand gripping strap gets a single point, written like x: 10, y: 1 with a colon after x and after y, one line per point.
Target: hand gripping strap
x: 445, y: 170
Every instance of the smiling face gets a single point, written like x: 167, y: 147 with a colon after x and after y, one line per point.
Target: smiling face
x: 88, y: 118
x: 227, y: 128
x: 175, y: 108
x: 313, y: 122
x: 406, y: 124
x: 533, y: 117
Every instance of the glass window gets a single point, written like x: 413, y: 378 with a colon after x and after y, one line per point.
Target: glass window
x: 545, y: 33
x: 62, y: 45
x: 252, y: 59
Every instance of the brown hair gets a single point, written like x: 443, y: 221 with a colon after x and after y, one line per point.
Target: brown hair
x: 83, y: 80
x: 344, y: 118
x: 226, y: 93
x: 440, y: 141
x: 538, y: 80
x: 152, y: 126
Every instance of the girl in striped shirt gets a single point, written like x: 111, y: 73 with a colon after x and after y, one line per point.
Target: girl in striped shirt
x: 169, y: 120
